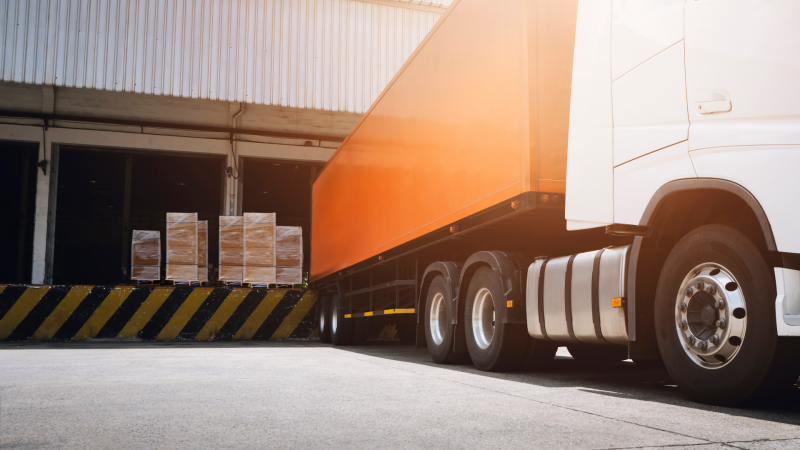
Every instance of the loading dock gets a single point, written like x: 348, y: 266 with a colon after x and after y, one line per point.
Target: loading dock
x: 103, y: 194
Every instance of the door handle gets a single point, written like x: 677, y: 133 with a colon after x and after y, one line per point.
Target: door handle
x: 713, y: 107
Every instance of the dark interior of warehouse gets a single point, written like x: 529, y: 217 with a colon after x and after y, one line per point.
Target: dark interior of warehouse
x: 18, y: 197
x: 105, y: 194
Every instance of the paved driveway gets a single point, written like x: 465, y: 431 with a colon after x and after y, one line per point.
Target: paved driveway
x: 309, y: 395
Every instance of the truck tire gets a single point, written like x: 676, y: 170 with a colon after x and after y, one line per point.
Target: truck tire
x: 598, y: 353
x: 492, y: 344
x: 715, y: 319
x: 324, y: 319
x: 439, y: 332
x: 341, y: 329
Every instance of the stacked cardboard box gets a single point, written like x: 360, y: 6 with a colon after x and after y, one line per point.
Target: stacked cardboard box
x: 182, y: 248
x: 146, y: 255
x: 289, y: 259
x: 231, y: 248
x: 202, y: 250
x: 259, y: 248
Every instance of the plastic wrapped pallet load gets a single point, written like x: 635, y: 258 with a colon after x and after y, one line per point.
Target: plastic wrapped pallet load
x: 146, y: 255
x: 202, y: 250
x: 182, y: 246
x: 231, y: 248
x: 289, y: 255
x: 259, y: 248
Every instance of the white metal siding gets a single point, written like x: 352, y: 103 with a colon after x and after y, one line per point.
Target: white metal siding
x: 335, y: 55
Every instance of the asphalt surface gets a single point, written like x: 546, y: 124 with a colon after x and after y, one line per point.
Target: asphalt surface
x: 310, y: 395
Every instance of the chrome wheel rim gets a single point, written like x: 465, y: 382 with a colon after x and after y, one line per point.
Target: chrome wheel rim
x: 438, y: 320
x: 711, y: 316
x: 334, y: 315
x: 322, y: 321
x: 483, y: 318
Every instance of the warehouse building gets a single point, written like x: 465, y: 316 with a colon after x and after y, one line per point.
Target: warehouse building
x: 114, y: 112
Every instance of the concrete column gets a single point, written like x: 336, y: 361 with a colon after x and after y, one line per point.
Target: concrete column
x: 42, y: 194
x: 42, y: 210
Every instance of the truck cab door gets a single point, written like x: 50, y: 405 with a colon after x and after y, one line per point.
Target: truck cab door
x: 742, y: 72
x: 648, y: 77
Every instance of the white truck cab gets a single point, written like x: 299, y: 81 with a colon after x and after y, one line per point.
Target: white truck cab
x: 685, y: 132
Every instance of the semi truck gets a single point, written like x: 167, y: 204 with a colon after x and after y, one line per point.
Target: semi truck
x: 618, y: 177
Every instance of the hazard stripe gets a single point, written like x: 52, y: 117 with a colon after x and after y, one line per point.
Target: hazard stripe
x: 183, y: 315
x: 240, y: 315
x: 145, y: 312
x: 61, y: 313
x: 297, y: 314
x: 307, y: 328
x: 123, y: 314
x: 163, y: 314
x: 64, y: 313
x: 19, y: 311
x: 101, y: 315
x: 384, y: 312
x: 273, y: 321
x: 259, y: 315
x: 9, y: 297
x: 83, y: 313
x: 221, y: 316
x: 204, y: 313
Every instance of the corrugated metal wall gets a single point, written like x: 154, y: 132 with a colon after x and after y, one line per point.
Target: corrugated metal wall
x: 325, y: 54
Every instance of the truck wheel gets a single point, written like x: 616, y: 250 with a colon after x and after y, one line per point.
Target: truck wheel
x: 439, y: 332
x: 324, y: 319
x: 341, y: 329
x: 493, y: 345
x: 598, y: 353
x: 715, y: 319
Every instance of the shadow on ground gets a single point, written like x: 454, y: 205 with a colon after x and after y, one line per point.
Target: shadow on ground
x: 623, y: 380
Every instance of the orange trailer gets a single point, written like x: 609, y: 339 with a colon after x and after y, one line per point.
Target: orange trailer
x: 477, y: 117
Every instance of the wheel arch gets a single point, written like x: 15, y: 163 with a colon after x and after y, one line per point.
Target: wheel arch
x: 510, y: 269
x: 447, y: 269
x: 664, y: 201
x: 674, y: 210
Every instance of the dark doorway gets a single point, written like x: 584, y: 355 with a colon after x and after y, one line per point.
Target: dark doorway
x: 282, y: 187
x: 105, y: 194
x: 18, y: 197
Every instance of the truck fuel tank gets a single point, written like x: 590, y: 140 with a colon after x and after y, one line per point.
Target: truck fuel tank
x: 579, y: 298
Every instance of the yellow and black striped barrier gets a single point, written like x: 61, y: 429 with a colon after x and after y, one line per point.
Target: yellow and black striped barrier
x: 161, y: 313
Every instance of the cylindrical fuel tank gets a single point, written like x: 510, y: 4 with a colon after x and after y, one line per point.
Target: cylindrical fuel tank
x: 571, y: 299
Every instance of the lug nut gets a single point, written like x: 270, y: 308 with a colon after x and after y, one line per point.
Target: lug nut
x: 711, y: 289
x: 692, y: 339
x: 720, y: 304
x: 682, y: 306
x: 699, y: 285
x: 714, y: 339
x: 701, y: 345
x: 684, y: 325
x: 721, y: 323
x: 689, y: 291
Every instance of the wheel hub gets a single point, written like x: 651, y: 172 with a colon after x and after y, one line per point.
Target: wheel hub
x: 483, y: 318
x: 334, y: 319
x: 438, y: 320
x: 710, y: 315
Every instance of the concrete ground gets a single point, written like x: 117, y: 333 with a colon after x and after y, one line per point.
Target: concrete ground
x: 310, y: 395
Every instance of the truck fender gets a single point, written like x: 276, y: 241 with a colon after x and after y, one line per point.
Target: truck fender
x: 510, y: 270
x: 451, y: 272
